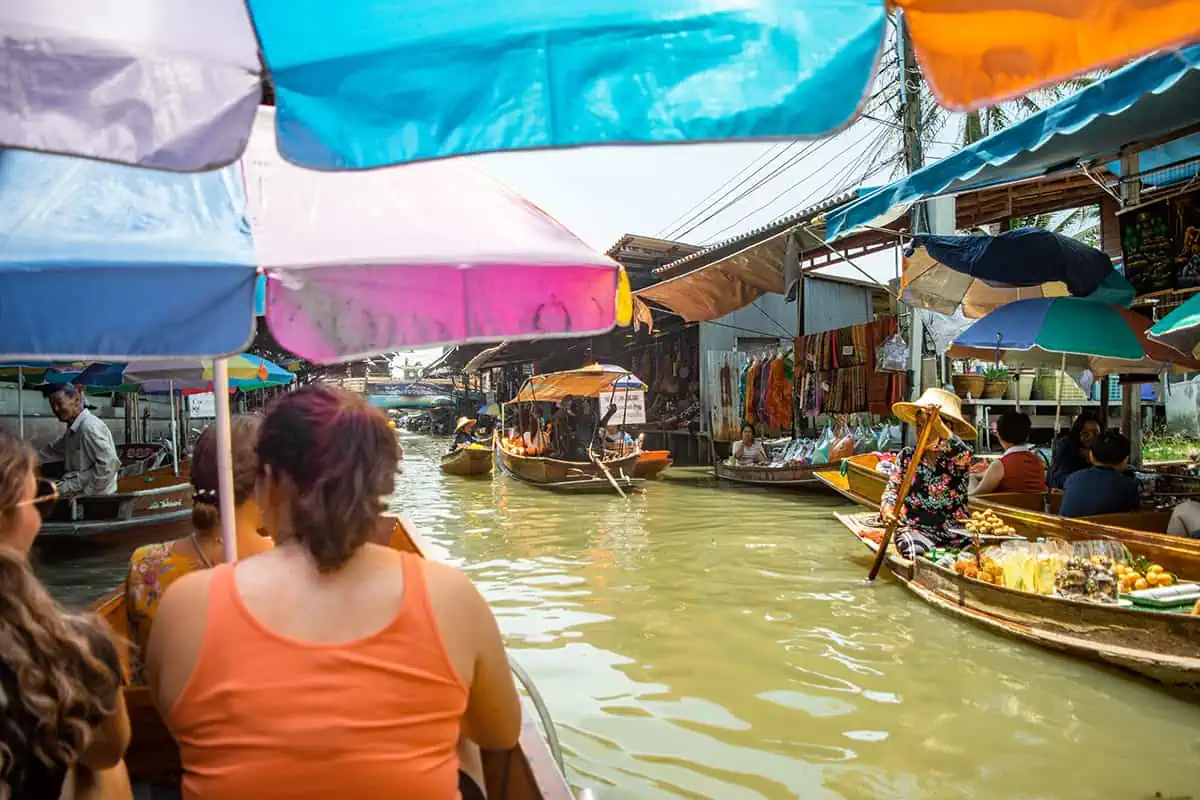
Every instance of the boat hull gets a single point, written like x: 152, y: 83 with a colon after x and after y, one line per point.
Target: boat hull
x: 527, y: 772
x: 146, y: 508
x: 652, y: 463
x: 550, y: 473
x: 781, y: 477
x: 1162, y: 647
x: 1142, y: 531
x: 468, y: 461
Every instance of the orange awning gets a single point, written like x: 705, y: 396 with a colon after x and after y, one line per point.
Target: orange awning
x: 593, y: 381
x: 975, y: 54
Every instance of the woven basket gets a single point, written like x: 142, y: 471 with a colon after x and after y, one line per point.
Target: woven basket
x: 994, y: 389
x: 1048, y: 388
x: 972, y: 385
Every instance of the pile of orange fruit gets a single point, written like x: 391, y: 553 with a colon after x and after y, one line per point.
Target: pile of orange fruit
x: 1138, y: 576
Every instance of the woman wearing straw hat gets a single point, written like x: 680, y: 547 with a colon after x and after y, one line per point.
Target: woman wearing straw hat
x: 938, y: 496
x: 464, y: 433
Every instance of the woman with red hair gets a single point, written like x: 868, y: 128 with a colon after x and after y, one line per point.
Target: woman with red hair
x: 328, y: 666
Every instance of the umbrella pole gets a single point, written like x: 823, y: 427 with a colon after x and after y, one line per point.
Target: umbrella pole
x: 174, y: 428
x: 224, y: 459
x: 1057, y: 414
x: 21, y: 401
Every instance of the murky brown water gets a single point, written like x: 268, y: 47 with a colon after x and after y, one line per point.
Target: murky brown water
x: 704, y: 641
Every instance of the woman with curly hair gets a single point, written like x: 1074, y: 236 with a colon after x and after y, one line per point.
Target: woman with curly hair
x: 329, y: 666
x: 61, y: 706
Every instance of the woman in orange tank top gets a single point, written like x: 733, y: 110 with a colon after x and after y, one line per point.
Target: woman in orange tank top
x: 328, y: 666
x: 1020, y: 469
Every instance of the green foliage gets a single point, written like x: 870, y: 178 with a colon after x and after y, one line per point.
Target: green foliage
x: 1162, y: 445
x: 997, y: 373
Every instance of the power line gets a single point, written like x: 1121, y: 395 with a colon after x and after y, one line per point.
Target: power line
x: 711, y: 194
x: 677, y: 231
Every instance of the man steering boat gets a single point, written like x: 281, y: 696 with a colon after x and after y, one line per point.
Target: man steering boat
x: 86, y: 447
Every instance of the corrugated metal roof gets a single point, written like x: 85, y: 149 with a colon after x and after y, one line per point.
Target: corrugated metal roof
x: 744, y: 240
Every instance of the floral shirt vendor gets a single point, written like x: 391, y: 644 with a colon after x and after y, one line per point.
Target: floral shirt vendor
x: 936, y: 500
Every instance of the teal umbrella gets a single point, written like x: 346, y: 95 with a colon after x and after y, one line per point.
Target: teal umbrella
x: 1181, y: 328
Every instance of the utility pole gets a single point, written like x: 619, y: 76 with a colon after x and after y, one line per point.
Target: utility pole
x: 910, y: 120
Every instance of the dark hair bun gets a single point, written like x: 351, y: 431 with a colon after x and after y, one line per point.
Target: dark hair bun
x: 243, y: 435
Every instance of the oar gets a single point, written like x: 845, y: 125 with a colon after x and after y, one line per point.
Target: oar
x: 607, y: 474
x: 933, y: 416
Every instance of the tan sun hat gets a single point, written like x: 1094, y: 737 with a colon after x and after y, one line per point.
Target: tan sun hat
x: 948, y: 404
x: 462, y: 423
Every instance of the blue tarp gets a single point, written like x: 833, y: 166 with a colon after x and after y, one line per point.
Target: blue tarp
x: 1151, y: 97
x: 100, y: 261
x: 481, y: 76
x: 1022, y: 257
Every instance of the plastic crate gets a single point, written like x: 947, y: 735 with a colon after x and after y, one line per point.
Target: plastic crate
x: 1048, y: 386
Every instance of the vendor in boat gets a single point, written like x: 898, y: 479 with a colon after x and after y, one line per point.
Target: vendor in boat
x: 748, y: 451
x: 937, y: 498
x: 1185, y: 520
x: 464, y: 433
x: 1020, y: 469
x: 1106, y: 487
x: 373, y: 658
x: 90, y: 461
x: 1071, y: 451
x: 155, y: 567
x: 65, y: 722
x: 561, y: 426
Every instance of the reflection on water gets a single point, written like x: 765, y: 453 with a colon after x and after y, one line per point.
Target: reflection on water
x: 696, y: 641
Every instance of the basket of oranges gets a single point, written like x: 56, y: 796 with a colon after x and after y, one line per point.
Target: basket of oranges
x: 1140, y: 574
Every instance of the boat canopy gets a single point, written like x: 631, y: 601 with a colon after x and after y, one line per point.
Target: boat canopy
x: 593, y: 381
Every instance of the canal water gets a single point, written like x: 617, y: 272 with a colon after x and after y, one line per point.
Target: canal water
x: 711, y: 641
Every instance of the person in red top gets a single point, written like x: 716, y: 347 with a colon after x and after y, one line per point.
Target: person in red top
x: 1020, y: 469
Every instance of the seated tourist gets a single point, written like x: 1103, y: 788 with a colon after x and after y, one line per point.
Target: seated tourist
x: 1071, y: 451
x: 1020, y: 469
x: 1185, y: 520
x: 156, y: 566
x: 65, y: 728
x: 748, y: 451
x: 937, y: 498
x: 329, y: 666
x: 1105, y: 487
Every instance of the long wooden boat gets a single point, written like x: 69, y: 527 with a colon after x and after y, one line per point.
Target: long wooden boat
x: 652, y: 463
x: 150, y: 505
x: 527, y: 772
x: 1164, y: 647
x: 1143, y: 531
x: 475, y: 459
x: 761, y: 475
x: 581, y: 476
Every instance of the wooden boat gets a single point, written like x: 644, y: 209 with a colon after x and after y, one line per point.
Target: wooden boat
x: 1143, y: 531
x: 151, y: 504
x: 573, y: 476
x: 474, y: 459
x: 527, y: 772
x: 652, y: 463
x: 608, y: 384
x: 761, y: 475
x: 1164, y: 647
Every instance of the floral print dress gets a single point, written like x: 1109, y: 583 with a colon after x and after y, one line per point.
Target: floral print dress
x: 936, y: 500
x: 151, y: 570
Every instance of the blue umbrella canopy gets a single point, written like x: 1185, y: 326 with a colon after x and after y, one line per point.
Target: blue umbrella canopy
x: 981, y: 273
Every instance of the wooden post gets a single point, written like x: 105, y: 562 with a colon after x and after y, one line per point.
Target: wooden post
x: 932, y: 419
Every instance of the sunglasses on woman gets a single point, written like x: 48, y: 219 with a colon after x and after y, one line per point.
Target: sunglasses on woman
x: 47, y: 492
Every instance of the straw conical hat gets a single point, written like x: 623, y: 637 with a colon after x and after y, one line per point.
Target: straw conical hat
x: 948, y: 404
x: 462, y: 423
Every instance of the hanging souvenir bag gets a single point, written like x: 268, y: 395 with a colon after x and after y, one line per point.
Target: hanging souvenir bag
x: 892, y: 355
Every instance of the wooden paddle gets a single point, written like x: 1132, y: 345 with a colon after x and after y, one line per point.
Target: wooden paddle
x: 933, y: 416
x: 607, y: 474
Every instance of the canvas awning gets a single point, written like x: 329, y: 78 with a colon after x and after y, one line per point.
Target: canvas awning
x: 714, y: 290
x: 1150, y: 98
x: 592, y: 381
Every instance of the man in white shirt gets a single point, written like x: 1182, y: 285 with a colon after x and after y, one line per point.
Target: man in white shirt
x: 86, y: 447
